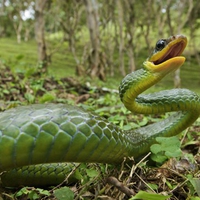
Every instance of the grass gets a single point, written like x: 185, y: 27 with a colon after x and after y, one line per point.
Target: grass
x: 24, y: 56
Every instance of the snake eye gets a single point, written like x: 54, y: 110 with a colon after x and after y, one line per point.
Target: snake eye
x: 160, y: 45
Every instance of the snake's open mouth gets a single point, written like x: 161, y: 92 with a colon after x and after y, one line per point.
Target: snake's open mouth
x: 174, y: 47
x: 173, y: 51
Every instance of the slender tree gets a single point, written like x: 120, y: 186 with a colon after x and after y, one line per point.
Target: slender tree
x: 40, y: 32
x: 96, y: 69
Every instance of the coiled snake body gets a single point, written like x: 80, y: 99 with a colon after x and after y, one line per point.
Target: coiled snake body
x: 54, y: 133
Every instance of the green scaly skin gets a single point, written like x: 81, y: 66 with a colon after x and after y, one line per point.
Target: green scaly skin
x: 52, y: 133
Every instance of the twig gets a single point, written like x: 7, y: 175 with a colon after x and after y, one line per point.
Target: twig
x: 134, y: 167
x: 184, y: 136
x: 120, y: 186
x: 145, y: 183
x: 186, y: 179
x: 121, y: 169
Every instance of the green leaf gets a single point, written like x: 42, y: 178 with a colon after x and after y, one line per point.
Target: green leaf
x: 77, y: 175
x: 6, y: 91
x: 33, y: 195
x: 163, y: 151
x: 29, y: 97
x: 142, y: 195
x: 47, y: 97
x: 43, y: 192
x: 176, y: 153
x: 173, y: 141
x: 159, y: 158
x: 153, y: 186
x: 91, y: 173
x: 143, y: 122
x: 156, y: 148
x: 196, y: 184
x: 64, y: 193
x: 21, y: 192
x: 194, y: 198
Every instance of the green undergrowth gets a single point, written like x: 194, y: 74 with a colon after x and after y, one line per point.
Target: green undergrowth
x: 170, y: 171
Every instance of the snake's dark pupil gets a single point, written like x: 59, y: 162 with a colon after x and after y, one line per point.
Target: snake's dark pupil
x: 160, y: 45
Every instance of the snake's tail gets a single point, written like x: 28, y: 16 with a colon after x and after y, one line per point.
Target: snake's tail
x: 40, y: 175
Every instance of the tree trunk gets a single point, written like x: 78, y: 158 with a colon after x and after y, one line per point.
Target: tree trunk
x: 161, y: 19
x: 181, y: 23
x: 70, y: 24
x: 39, y: 32
x: 18, y: 31
x: 130, y: 24
x: 169, y: 4
x: 121, y: 42
x: 17, y: 26
x: 96, y: 68
x: 193, y: 29
x: 2, y: 13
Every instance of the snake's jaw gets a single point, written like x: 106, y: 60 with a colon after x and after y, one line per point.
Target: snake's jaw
x: 173, y: 47
x: 165, y: 67
x: 168, y: 58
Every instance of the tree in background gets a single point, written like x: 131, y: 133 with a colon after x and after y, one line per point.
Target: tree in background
x: 69, y: 18
x: 104, y: 37
x: 15, y: 12
x: 96, y: 68
x: 40, y: 32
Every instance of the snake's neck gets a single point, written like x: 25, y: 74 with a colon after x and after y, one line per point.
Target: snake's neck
x: 133, y: 85
x: 160, y: 102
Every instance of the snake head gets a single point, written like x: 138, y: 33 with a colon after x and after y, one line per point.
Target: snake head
x: 166, y: 55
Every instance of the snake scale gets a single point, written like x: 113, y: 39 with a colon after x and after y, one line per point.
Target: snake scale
x: 56, y: 133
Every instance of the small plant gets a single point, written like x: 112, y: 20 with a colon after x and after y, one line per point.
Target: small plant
x: 63, y: 193
x: 32, y: 193
x: 165, y: 148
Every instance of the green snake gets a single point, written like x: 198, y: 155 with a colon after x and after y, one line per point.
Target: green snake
x: 56, y: 133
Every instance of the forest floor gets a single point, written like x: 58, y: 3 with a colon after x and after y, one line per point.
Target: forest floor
x: 173, y: 175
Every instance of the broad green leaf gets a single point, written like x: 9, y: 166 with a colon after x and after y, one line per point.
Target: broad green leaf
x: 47, y: 97
x: 144, y: 121
x: 43, y: 192
x: 176, y: 153
x: 33, y: 195
x: 142, y: 195
x: 91, y: 173
x: 6, y: 91
x: 29, y: 97
x: 159, y: 158
x: 194, y: 198
x: 173, y: 141
x: 155, y: 148
x: 22, y: 191
x: 163, y: 151
x: 127, y: 127
x: 196, y: 184
x: 153, y: 186
x: 77, y: 175
x: 64, y: 193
